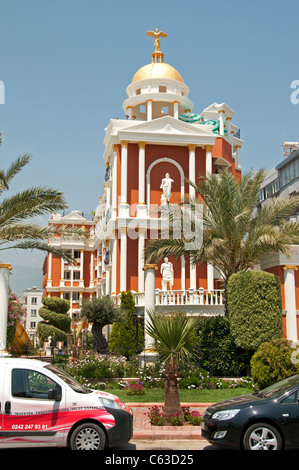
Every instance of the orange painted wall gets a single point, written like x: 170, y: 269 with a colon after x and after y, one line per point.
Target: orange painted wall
x: 132, y: 264
x: 222, y: 148
x: 278, y: 270
x: 56, y: 270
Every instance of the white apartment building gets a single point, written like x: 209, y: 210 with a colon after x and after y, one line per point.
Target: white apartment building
x: 32, y: 302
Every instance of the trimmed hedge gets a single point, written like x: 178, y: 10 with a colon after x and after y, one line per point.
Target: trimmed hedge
x: 274, y: 361
x: 57, y: 323
x: 254, y: 308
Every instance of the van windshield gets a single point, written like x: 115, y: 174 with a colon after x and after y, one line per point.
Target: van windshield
x: 68, y: 379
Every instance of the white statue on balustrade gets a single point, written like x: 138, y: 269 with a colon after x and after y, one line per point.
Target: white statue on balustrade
x: 167, y: 274
x: 166, y: 189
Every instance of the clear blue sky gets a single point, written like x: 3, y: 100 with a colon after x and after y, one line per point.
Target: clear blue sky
x: 66, y: 65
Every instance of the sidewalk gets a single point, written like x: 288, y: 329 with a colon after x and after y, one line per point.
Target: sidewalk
x: 142, y: 428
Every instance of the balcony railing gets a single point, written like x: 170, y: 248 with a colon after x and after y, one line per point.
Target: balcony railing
x: 199, y: 296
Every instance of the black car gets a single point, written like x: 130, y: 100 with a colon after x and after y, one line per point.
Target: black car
x: 263, y: 420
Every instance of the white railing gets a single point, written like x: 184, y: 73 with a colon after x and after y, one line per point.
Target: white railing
x: 181, y: 297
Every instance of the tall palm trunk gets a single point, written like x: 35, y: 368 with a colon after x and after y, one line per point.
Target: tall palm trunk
x: 172, y: 403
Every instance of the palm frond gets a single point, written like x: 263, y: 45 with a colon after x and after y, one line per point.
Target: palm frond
x: 30, y: 203
x: 41, y: 246
x: 173, y: 334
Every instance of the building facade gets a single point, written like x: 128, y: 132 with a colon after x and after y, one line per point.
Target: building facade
x: 283, y: 181
x: 79, y: 280
x: 32, y: 302
x: 160, y: 142
x: 149, y: 154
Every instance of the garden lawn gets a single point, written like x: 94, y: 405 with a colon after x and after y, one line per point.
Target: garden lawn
x: 153, y: 395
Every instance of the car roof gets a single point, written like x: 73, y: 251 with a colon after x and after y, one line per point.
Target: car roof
x: 22, y: 361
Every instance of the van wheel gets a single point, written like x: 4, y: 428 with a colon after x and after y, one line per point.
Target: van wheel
x: 88, y: 436
x: 262, y: 436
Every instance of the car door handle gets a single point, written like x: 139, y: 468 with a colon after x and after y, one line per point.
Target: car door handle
x: 7, y: 407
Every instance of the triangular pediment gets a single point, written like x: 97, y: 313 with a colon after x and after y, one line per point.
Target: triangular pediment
x: 75, y: 216
x: 168, y: 125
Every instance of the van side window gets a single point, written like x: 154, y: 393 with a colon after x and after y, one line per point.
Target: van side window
x: 31, y: 384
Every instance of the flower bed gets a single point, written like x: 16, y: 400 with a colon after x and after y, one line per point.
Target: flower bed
x: 187, y: 417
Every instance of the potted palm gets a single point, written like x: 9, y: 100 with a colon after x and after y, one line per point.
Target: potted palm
x: 174, y: 336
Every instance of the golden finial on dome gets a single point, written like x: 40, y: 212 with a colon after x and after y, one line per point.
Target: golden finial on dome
x: 157, y: 35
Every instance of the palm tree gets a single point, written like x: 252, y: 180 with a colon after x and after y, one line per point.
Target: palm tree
x: 235, y: 233
x: 25, y: 205
x: 174, y: 340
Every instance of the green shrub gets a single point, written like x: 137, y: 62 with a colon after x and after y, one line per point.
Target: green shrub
x: 215, y: 348
x: 96, y: 367
x: 202, y: 380
x: 123, y: 335
x: 57, y: 323
x: 272, y: 362
x: 255, y: 308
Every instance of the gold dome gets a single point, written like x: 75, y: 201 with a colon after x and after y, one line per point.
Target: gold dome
x: 157, y: 70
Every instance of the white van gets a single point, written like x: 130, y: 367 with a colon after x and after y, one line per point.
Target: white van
x: 41, y: 405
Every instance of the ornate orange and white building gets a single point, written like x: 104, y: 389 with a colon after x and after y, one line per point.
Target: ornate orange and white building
x: 160, y: 136
x: 73, y: 281
x: 149, y: 154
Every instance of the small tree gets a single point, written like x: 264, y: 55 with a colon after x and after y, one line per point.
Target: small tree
x: 101, y: 311
x: 255, y: 308
x: 57, y: 323
x: 127, y: 338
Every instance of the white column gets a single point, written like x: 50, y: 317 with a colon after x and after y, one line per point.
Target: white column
x: 290, y: 301
x: 124, y: 207
x: 221, y: 122
x: 4, y: 291
x: 91, y: 269
x: 149, y: 301
x: 210, y: 276
x: 176, y: 109
x: 183, y: 273
x: 141, y: 173
x: 229, y: 129
x: 81, y: 263
x: 114, y: 181
x: 192, y: 194
x: 114, y: 263
x: 123, y: 259
x: 124, y: 171
x: 209, y: 159
x: 141, y: 243
x: 238, y: 159
x: 149, y: 110
x: 192, y: 275
x: 141, y: 208
x: 81, y: 268
x: 49, y: 281
x: 62, y: 271
x: 191, y: 148
x: 108, y: 282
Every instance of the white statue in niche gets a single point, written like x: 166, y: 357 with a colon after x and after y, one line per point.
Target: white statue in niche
x: 167, y: 274
x: 166, y: 189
